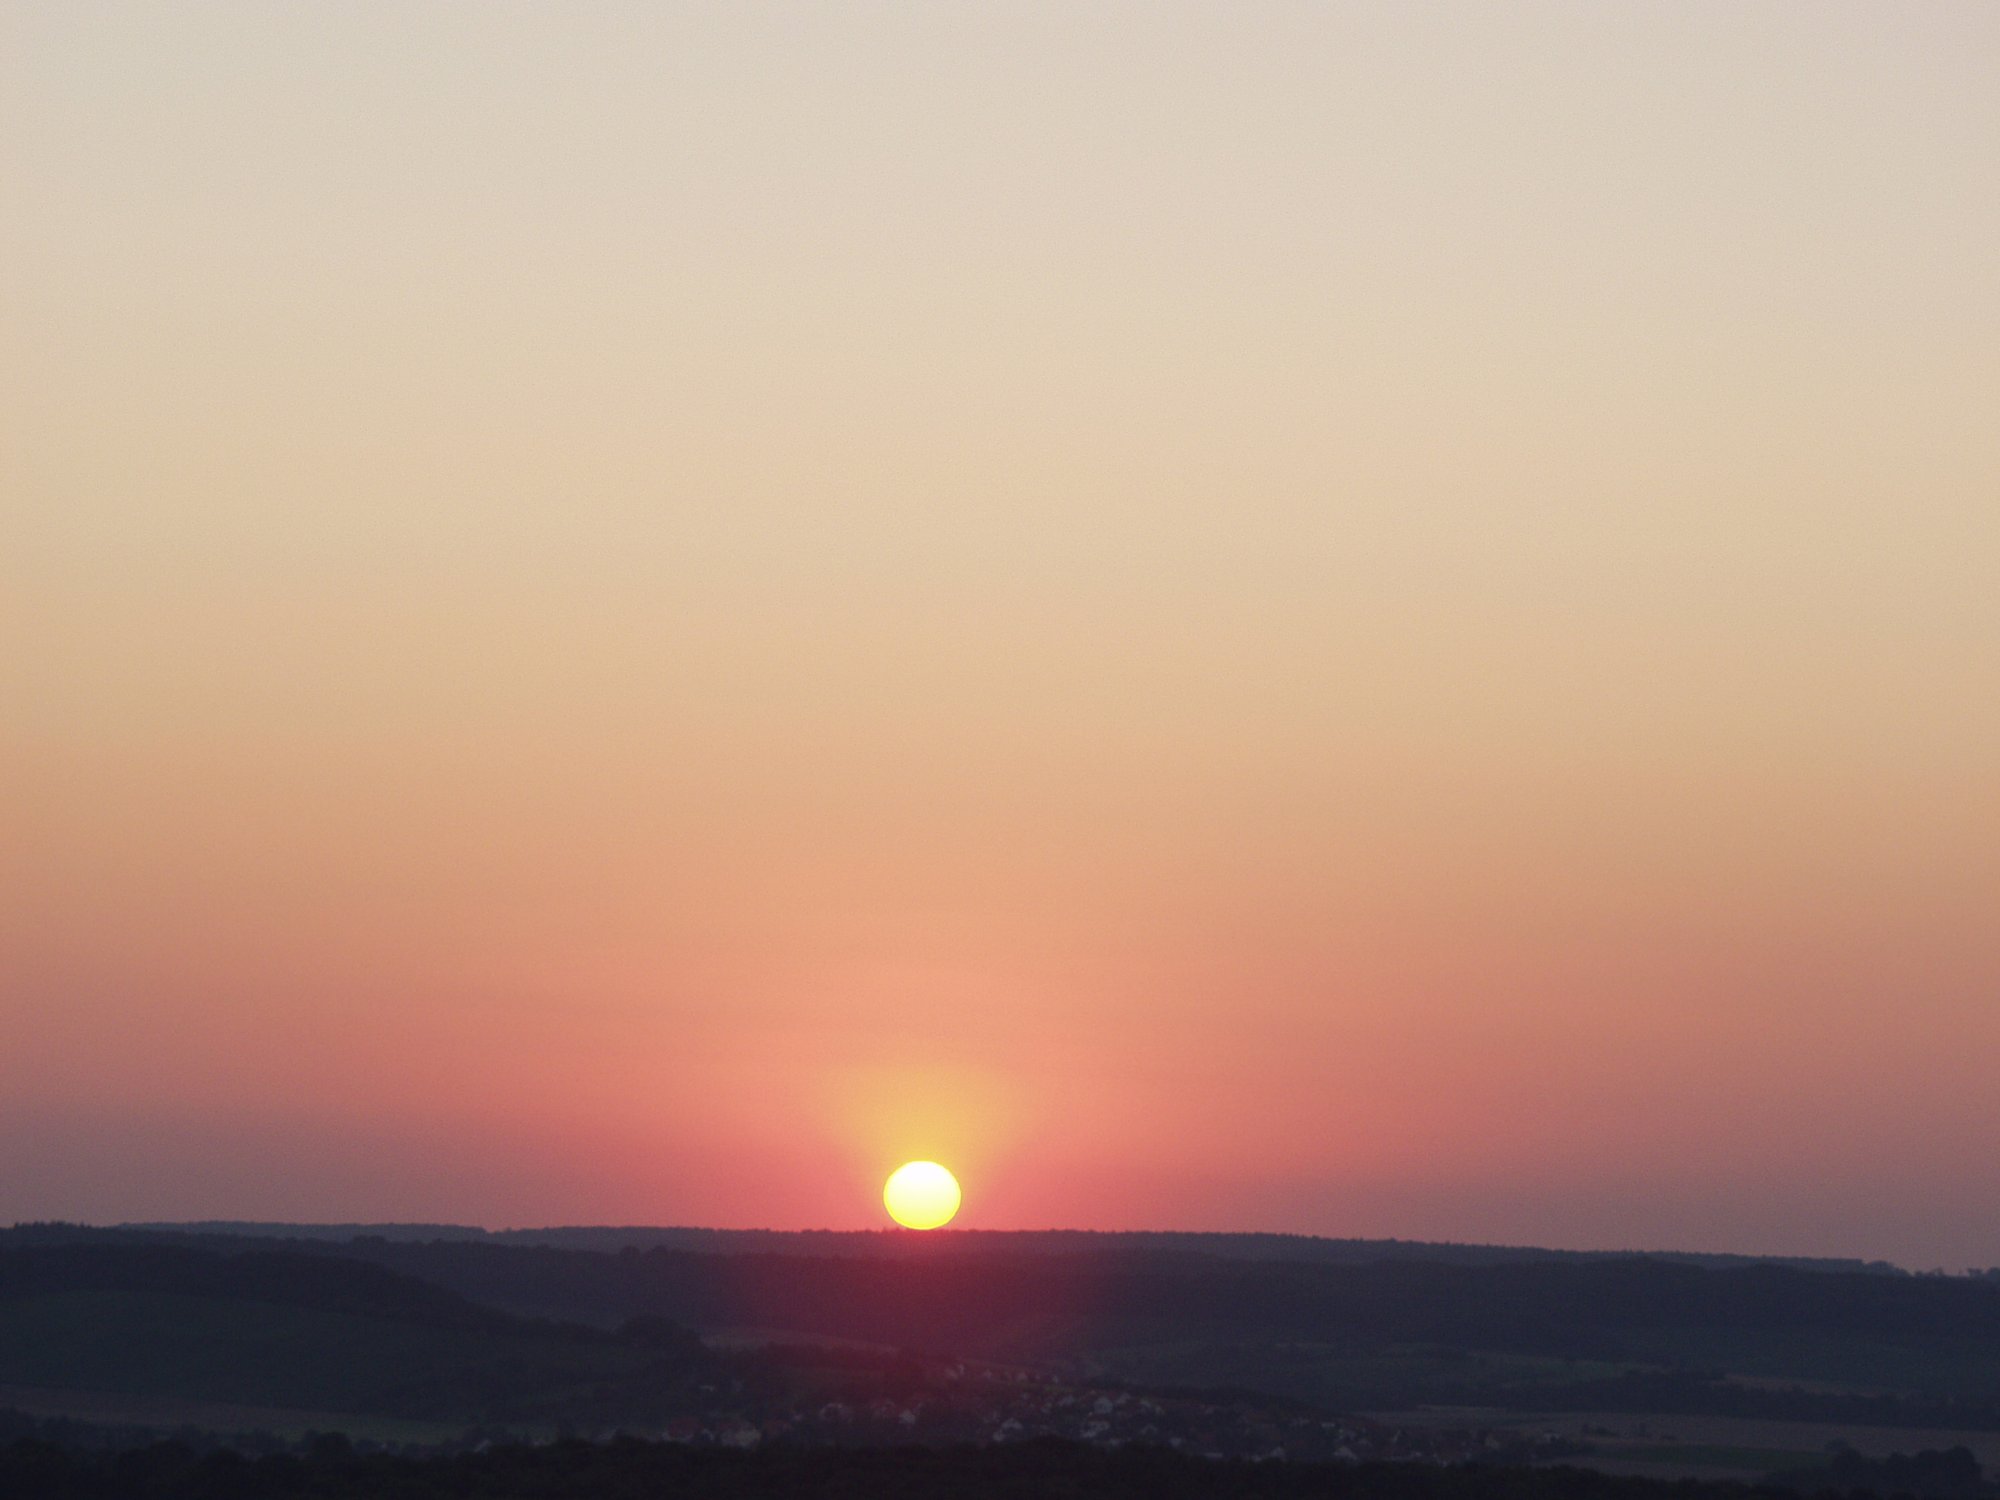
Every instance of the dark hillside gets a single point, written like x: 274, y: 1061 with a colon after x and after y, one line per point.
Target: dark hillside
x: 958, y: 1300
x: 288, y: 1330
x: 824, y: 1243
x: 279, y: 1277
x: 1569, y: 1335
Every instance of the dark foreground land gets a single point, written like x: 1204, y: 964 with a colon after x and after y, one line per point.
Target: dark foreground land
x: 330, y: 1470
x: 437, y: 1350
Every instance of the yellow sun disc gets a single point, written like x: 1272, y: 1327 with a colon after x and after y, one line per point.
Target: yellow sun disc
x: 921, y: 1195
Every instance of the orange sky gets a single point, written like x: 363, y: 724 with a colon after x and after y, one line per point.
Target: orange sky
x: 1367, y: 619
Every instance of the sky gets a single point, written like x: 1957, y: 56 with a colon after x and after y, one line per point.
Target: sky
x: 1363, y: 619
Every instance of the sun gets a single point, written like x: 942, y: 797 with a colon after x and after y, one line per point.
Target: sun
x: 921, y: 1195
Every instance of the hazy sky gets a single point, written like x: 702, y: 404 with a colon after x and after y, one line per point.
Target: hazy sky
x: 1366, y: 619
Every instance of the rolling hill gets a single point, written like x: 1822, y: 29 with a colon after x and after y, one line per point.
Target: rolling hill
x: 1558, y: 1334
x: 282, y: 1329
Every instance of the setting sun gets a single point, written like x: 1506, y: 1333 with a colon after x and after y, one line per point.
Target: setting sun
x: 921, y: 1195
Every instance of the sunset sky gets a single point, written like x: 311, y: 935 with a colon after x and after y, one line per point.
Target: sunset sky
x: 1365, y: 619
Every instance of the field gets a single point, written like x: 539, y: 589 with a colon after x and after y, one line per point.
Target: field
x: 167, y: 1414
x: 1341, y: 1376
x: 1670, y: 1445
x: 238, y: 1351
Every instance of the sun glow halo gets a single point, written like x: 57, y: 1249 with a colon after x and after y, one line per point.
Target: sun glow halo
x: 921, y: 1195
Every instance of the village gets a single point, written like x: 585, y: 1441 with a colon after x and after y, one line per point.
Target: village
x: 990, y: 1406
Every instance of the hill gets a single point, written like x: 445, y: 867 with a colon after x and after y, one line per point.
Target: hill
x: 1557, y: 1334
x: 823, y: 1243
x: 283, y: 1329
